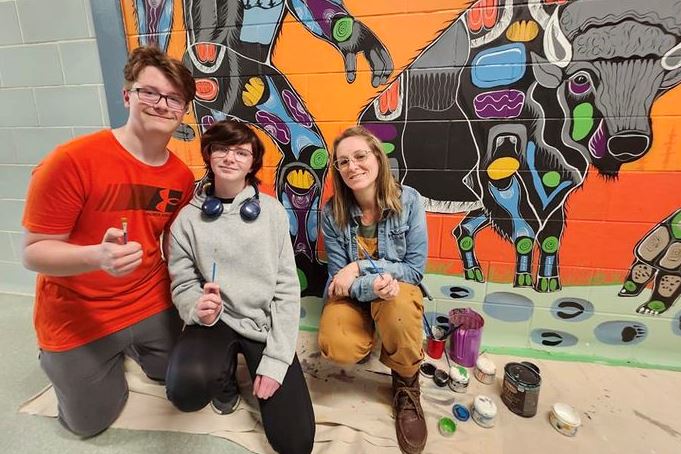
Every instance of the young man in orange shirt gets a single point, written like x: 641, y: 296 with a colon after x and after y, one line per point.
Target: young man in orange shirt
x: 95, y: 211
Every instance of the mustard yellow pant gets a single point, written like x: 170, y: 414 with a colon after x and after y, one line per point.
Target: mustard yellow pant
x: 346, y: 330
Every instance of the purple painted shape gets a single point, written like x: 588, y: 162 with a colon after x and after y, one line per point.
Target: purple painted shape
x: 274, y: 126
x: 323, y: 12
x: 507, y: 103
x: 385, y: 132
x: 302, y: 204
x: 296, y: 109
x: 207, y: 121
x: 598, y: 142
x: 579, y: 85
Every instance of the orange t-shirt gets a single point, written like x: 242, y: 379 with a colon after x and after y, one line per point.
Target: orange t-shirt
x: 84, y: 187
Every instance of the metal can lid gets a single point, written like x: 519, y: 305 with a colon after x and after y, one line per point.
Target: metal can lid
x: 427, y: 369
x: 460, y: 412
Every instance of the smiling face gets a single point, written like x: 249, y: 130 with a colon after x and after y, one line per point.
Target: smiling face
x: 156, y: 118
x: 231, y: 163
x: 362, y: 166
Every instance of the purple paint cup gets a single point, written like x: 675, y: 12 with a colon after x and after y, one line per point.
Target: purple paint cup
x: 464, y: 344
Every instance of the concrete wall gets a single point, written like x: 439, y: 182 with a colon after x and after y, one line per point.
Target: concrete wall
x: 50, y: 91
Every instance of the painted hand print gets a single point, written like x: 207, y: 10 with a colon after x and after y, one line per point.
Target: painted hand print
x: 658, y: 259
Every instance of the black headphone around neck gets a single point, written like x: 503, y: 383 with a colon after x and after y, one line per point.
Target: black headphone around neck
x: 212, y: 207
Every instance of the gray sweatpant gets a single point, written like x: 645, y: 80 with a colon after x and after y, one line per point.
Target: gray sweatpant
x: 89, y: 380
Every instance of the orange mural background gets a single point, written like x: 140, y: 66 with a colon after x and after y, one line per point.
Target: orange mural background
x: 605, y: 218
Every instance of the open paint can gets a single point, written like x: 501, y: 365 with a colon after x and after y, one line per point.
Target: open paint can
x: 520, y: 391
x: 484, y: 411
x: 485, y: 370
x: 458, y: 379
x: 565, y: 419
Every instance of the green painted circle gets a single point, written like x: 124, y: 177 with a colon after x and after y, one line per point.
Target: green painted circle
x: 527, y: 280
x: 478, y: 275
x: 342, y: 29
x: 524, y: 246
x: 469, y: 274
x: 582, y: 120
x: 466, y: 243
x: 676, y: 225
x: 553, y: 284
x: 302, y: 279
x: 551, y: 179
x: 656, y: 306
x: 629, y: 286
x: 543, y: 284
x: 550, y: 245
x: 388, y: 148
x: 319, y: 159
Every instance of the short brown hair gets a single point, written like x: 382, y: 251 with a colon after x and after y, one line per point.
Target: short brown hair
x: 229, y: 133
x: 173, y: 69
x: 387, y: 189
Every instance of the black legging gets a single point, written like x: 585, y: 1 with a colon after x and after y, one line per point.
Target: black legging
x: 204, y: 360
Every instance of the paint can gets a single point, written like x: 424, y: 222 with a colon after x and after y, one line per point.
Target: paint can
x: 427, y: 370
x: 485, y: 370
x: 520, y: 391
x: 565, y: 419
x: 458, y: 379
x: 441, y: 377
x: 484, y: 411
x: 461, y: 413
x: 446, y: 426
x: 435, y: 347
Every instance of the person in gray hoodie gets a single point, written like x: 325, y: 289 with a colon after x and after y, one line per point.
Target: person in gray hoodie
x: 235, y: 285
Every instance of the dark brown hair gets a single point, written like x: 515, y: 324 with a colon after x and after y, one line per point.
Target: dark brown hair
x: 173, y: 69
x: 229, y: 133
x: 387, y: 189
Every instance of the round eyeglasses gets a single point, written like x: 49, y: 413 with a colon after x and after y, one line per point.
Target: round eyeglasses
x: 358, y: 157
x: 221, y: 151
x: 151, y: 97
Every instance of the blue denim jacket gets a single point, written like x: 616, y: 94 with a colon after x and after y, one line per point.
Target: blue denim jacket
x: 402, y: 245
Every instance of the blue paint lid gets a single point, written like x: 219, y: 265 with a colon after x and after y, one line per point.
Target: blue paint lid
x: 461, y: 413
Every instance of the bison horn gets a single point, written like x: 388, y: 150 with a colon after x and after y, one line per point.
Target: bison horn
x: 672, y: 59
x: 557, y: 48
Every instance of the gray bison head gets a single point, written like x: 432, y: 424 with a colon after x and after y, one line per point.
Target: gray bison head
x: 608, y: 62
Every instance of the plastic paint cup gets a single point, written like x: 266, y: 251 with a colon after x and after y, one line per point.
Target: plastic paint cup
x: 435, y: 347
x: 565, y: 419
x: 466, y: 335
x: 446, y: 426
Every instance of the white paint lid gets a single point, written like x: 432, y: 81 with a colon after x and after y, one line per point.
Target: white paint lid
x: 485, y: 365
x: 458, y: 373
x: 566, y: 414
x: 485, y: 406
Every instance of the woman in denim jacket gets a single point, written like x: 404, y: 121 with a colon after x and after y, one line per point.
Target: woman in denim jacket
x: 376, y: 240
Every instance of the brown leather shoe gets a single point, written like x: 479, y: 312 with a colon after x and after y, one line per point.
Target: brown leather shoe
x: 410, y: 424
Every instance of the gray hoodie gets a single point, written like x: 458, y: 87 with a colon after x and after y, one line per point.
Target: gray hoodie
x: 255, y: 269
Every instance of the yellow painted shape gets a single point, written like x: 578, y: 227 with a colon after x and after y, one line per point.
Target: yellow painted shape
x: 522, y: 31
x: 502, y: 168
x: 253, y: 91
x: 301, y: 179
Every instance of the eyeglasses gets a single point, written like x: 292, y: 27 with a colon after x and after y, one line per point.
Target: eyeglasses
x: 221, y: 151
x: 151, y: 97
x: 358, y: 157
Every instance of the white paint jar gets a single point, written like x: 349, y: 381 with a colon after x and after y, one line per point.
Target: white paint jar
x: 565, y: 419
x: 484, y: 411
x: 485, y: 370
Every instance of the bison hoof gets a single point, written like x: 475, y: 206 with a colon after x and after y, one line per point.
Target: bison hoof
x: 474, y: 274
x: 547, y: 284
x: 523, y: 280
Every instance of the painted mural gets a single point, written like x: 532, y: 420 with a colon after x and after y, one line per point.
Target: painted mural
x: 542, y: 134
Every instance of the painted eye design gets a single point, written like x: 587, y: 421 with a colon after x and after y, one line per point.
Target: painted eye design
x: 580, y: 83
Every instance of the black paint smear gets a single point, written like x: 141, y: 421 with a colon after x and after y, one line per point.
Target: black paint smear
x: 551, y: 343
x: 459, y: 292
x: 571, y: 305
